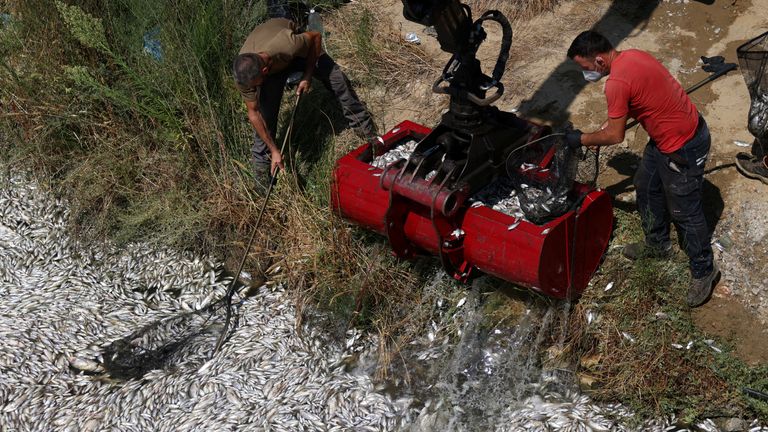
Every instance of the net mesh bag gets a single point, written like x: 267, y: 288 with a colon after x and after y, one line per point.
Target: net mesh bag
x: 545, y: 192
x: 753, y: 59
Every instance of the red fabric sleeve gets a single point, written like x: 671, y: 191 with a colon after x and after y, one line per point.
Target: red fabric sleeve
x: 617, y: 94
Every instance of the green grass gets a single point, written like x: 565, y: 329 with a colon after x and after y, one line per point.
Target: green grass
x: 158, y: 150
x: 642, y: 323
x: 139, y: 144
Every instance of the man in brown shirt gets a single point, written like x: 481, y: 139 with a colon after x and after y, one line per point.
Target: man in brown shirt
x: 272, y: 51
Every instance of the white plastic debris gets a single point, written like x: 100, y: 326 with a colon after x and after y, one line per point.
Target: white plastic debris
x: 461, y: 302
x: 609, y: 286
x: 742, y: 143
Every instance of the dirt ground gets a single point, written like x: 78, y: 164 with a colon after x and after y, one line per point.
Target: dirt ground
x: 543, y: 85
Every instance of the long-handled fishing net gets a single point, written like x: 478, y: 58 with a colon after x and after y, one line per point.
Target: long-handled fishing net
x: 753, y: 59
x: 188, y: 337
x: 165, y: 343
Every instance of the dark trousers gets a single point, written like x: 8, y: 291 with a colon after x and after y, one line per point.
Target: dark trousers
x: 670, y: 190
x: 329, y: 73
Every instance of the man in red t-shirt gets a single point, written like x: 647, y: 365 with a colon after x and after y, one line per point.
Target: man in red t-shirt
x: 670, y: 177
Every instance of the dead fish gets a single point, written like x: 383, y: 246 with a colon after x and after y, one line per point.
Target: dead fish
x: 85, y: 365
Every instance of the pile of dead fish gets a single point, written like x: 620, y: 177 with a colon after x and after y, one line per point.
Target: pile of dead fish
x: 758, y: 116
x: 401, y: 151
x: 500, y: 196
x: 60, y: 304
x: 492, y: 379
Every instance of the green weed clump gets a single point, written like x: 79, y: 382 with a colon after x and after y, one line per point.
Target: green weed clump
x: 142, y: 145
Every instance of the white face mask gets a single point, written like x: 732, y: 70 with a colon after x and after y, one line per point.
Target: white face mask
x: 592, y: 76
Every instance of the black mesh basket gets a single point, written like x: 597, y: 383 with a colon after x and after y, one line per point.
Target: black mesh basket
x: 753, y: 59
x: 545, y: 193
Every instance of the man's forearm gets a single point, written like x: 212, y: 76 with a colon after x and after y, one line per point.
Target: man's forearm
x: 598, y: 138
x: 611, y: 132
x: 258, y: 123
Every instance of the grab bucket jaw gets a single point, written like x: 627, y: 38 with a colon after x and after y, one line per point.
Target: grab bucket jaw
x: 557, y: 258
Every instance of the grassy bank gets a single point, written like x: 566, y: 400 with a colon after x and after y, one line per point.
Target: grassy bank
x: 156, y: 149
x: 636, y: 341
x: 128, y: 109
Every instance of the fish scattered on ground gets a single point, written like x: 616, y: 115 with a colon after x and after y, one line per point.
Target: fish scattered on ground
x: 62, y: 302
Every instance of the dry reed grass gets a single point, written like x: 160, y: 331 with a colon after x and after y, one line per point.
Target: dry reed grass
x: 370, y: 47
x: 514, y: 9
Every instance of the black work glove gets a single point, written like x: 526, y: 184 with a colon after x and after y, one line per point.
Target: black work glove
x: 573, y: 137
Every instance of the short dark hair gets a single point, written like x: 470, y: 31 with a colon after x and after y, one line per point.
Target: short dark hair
x: 246, y: 68
x: 589, y: 44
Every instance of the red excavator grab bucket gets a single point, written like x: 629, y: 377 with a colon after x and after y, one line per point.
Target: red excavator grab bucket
x: 556, y: 258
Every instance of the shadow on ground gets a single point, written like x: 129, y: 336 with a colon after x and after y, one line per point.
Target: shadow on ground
x: 551, y: 100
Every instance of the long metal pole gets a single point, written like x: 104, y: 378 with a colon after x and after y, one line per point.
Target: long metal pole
x: 231, y: 290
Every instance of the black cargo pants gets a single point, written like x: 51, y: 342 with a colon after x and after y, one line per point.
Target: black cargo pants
x: 669, y: 187
x: 329, y: 73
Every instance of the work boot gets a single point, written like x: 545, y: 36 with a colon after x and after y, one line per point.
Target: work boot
x: 635, y: 251
x: 701, y: 289
x: 753, y: 167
